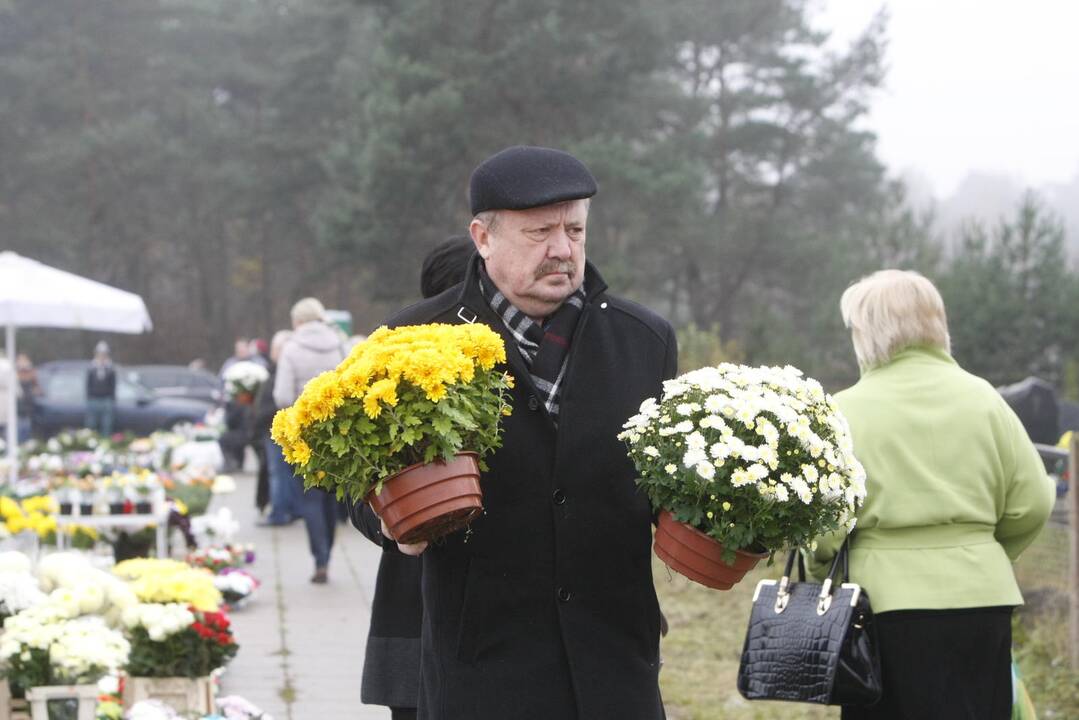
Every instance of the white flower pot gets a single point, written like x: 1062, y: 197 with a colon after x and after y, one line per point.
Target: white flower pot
x: 181, y: 694
x: 85, y: 695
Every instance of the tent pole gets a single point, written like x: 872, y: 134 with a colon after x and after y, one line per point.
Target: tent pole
x: 13, y: 418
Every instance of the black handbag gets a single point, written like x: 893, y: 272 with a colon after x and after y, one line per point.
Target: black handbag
x: 810, y: 642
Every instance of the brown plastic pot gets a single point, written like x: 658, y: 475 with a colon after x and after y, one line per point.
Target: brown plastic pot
x: 426, y: 501
x: 690, y: 552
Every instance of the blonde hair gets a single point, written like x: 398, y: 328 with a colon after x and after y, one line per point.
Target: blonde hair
x: 307, y: 310
x: 892, y: 310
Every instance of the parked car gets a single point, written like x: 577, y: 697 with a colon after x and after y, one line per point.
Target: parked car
x: 179, y: 381
x: 139, y: 409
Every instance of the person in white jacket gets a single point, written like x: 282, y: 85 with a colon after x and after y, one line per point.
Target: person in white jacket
x: 315, y: 347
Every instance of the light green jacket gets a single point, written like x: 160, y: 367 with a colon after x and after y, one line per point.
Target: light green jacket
x: 955, y: 488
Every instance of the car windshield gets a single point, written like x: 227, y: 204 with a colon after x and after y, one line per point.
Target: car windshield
x: 69, y: 385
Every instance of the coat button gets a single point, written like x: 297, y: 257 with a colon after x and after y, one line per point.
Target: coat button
x: 559, y: 497
x: 533, y: 403
x: 564, y: 595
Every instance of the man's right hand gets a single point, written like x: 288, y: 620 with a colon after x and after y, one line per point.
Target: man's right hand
x: 413, y: 550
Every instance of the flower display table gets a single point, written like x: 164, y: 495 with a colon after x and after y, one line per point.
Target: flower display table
x: 158, y: 515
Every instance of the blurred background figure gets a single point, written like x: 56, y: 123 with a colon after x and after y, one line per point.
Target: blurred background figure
x: 259, y: 352
x: 237, y: 415
x: 241, y: 350
x: 29, y: 388
x: 314, y: 348
x: 283, y: 490
x: 101, y: 391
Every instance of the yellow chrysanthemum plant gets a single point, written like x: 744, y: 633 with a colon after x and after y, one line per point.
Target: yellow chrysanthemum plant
x: 408, y: 396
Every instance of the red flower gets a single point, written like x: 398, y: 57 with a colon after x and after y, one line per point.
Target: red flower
x: 224, y: 638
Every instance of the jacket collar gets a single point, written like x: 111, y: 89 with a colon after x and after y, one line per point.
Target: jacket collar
x: 916, y: 353
x: 471, y: 298
x: 472, y: 307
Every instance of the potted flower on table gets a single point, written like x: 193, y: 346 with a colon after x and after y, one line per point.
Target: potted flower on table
x: 174, y: 649
x: 404, y: 424
x: 242, y: 381
x: 56, y: 661
x: 740, y: 462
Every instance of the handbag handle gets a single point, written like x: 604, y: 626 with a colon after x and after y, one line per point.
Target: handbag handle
x: 824, y: 600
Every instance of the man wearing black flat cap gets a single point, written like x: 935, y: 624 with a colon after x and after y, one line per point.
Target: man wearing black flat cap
x: 545, y: 609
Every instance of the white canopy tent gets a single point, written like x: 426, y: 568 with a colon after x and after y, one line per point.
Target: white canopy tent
x: 35, y: 295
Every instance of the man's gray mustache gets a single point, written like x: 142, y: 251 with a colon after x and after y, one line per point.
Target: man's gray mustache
x: 556, y: 266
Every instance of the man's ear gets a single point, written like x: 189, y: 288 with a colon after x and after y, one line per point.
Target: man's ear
x: 481, y: 237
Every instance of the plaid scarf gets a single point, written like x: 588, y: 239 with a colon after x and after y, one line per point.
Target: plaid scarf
x: 544, y: 348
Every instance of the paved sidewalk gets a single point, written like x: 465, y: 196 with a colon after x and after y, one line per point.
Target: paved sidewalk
x: 301, y: 645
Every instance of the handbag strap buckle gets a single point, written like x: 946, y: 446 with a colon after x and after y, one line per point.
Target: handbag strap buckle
x: 782, y: 596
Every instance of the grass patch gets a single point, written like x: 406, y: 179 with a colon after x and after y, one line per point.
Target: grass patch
x: 702, y: 651
x: 287, y: 693
x: 1040, y: 645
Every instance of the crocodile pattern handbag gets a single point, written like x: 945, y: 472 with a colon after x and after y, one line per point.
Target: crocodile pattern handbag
x: 810, y: 642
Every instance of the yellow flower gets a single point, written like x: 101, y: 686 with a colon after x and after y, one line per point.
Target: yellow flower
x: 384, y: 391
x: 41, y: 504
x: 16, y: 524
x: 301, y: 453
x: 9, y: 508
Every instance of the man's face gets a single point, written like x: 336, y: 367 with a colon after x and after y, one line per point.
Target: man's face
x: 535, y: 257
x: 241, y: 348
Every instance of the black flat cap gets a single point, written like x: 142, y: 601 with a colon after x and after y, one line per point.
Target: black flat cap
x: 524, y: 176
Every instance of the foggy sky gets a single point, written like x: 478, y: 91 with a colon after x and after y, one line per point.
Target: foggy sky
x: 990, y: 87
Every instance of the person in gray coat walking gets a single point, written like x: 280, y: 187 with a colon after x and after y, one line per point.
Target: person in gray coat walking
x: 314, y: 348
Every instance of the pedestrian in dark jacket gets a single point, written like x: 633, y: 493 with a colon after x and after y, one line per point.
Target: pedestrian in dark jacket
x: 545, y: 609
x: 391, y: 666
x: 284, y: 493
x: 101, y: 391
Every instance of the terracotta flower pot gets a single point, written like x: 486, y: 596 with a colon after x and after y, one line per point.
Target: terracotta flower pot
x: 690, y: 552
x: 426, y: 501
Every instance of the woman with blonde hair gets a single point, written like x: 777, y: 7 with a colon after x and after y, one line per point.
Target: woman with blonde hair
x: 956, y: 491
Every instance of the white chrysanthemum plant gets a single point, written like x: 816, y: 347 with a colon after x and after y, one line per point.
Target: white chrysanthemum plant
x: 756, y: 458
x: 245, y: 377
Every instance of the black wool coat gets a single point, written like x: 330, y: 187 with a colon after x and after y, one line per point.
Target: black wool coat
x: 546, y: 609
x: 391, y: 664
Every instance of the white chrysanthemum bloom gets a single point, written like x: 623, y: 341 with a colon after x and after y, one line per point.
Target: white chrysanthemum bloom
x: 686, y: 426
x: 14, y: 562
x: 781, y: 492
x: 651, y: 451
x: 741, y: 477
x: 720, y: 451
x: 687, y: 409
x: 705, y: 469
x: 696, y: 441
x: 749, y: 453
x: 694, y: 457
